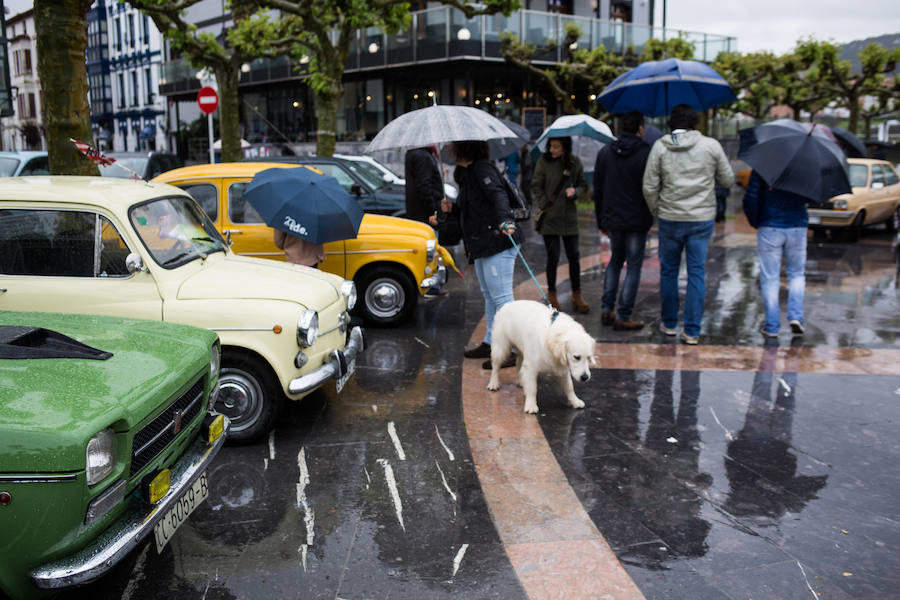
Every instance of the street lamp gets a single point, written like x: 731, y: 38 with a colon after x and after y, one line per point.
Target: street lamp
x: 464, y: 34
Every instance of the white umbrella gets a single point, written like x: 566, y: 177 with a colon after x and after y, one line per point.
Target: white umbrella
x: 441, y: 124
x: 588, y: 136
x: 217, y: 145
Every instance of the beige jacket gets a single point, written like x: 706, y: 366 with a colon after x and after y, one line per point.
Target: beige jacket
x: 299, y: 251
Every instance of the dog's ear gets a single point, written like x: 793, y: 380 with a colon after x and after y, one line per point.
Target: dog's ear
x: 556, y: 345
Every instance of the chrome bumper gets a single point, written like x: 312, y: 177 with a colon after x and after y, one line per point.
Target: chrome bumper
x: 439, y: 278
x: 130, y: 529
x: 830, y: 214
x: 334, y: 368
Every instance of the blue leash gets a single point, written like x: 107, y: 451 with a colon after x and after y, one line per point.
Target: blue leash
x: 533, y: 278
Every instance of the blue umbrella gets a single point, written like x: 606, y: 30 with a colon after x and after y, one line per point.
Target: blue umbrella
x: 796, y: 157
x: 655, y: 87
x: 304, y: 203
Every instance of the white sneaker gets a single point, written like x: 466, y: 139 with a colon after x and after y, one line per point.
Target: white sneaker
x: 797, y: 327
x: 690, y: 341
x: 667, y: 330
x: 767, y: 334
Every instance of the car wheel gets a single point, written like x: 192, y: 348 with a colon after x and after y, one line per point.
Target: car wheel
x: 247, y: 396
x: 855, y: 229
x: 388, y: 295
x: 893, y: 223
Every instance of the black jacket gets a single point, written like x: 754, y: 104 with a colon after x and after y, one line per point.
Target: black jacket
x: 618, y: 176
x: 483, y: 205
x: 424, y: 187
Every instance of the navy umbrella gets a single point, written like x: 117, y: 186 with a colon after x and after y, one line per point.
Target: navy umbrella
x: 655, y: 87
x: 852, y: 145
x: 304, y: 203
x: 796, y: 157
x: 651, y: 133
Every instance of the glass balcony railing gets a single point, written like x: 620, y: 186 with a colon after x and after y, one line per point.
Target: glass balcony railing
x: 442, y: 33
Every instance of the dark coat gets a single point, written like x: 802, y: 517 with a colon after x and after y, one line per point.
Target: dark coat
x: 424, y: 187
x: 618, y: 178
x: 484, y: 205
x: 551, y: 178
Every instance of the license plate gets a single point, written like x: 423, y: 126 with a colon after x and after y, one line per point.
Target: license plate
x: 351, y: 367
x: 178, y: 514
x: 815, y: 220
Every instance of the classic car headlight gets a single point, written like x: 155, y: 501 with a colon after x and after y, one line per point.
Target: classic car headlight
x: 839, y: 204
x: 215, y: 362
x: 100, y: 456
x: 307, y: 328
x: 348, y: 290
x: 430, y: 249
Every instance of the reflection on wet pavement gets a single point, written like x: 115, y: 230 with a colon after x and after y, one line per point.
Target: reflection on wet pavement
x: 723, y: 471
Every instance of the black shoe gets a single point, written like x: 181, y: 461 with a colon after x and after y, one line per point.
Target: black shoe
x: 481, y: 351
x: 509, y: 362
x: 797, y: 327
x: 607, y: 317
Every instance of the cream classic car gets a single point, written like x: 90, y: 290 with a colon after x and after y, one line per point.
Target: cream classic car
x: 146, y: 250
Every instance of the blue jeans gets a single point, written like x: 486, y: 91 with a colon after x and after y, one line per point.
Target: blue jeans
x: 495, y: 277
x: 771, y: 243
x: 692, y: 239
x: 627, y: 247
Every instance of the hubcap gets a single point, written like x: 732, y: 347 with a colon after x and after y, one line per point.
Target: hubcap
x: 385, y: 298
x: 240, y: 398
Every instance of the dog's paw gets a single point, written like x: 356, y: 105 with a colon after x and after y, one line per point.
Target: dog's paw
x: 531, y: 408
x: 494, y: 383
x: 576, y: 403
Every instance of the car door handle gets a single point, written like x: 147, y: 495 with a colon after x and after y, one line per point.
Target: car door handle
x: 2, y: 289
x: 232, y: 231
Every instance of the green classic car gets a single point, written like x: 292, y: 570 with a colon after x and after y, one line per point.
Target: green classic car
x: 106, y: 433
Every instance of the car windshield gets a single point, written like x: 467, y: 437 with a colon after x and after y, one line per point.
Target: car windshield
x: 8, y: 166
x: 175, y: 230
x: 372, y: 176
x: 859, y: 175
x: 383, y: 167
x: 138, y: 164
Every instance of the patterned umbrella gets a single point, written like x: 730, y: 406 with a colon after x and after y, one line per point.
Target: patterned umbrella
x: 441, y: 124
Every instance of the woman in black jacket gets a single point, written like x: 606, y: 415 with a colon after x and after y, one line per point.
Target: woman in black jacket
x: 486, y: 219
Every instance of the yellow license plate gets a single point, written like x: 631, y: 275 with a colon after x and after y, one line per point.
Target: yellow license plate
x: 178, y: 514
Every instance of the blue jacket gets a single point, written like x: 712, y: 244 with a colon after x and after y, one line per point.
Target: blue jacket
x: 777, y: 208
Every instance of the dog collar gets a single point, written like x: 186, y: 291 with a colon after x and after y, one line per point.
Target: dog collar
x: 553, y: 316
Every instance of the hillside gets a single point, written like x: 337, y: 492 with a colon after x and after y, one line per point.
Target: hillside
x: 851, y: 49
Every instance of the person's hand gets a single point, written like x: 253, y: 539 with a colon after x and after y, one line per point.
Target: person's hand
x: 432, y: 220
x: 570, y: 192
x: 508, y: 227
x: 446, y: 205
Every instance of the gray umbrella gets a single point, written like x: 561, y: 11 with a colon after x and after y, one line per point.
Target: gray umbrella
x: 440, y: 124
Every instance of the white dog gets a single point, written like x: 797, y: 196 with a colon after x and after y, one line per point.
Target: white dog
x: 553, y: 345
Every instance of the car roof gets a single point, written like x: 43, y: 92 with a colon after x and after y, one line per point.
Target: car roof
x: 110, y: 192
x: 228, y: 169
x: 867, y: 161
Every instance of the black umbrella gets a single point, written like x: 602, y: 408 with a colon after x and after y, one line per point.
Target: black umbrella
x: 651, y: 133
x: 796, y: 157
x: 851, y: 144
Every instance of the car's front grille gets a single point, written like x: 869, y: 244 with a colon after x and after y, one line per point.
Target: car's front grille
x: 156, y: 435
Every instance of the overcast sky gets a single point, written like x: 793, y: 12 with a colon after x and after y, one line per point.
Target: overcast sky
x: 776, y: 25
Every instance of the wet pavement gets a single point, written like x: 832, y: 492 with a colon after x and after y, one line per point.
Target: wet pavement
x: 729, y: 470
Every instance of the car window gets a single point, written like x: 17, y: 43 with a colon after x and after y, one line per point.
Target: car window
x: 859, y: 175
x: 206, y: 195
x: 239, y: 210
x: 877, y: 175
x: 890, y: 176
x: 8, y: 166
x: 338, y: 173
x: 39, y: 165
x: 175, y: 231
x: 367, y: 173
x: 113, y: 251
x: 58, y: 243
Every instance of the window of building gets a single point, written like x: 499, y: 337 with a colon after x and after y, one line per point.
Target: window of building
x: 134, y: 88
x: 118, y: 34
x: 121, y: 90
x: 146, y: 30
x: 148, y: 84
x: 131, y: 30
x: 22, y: 59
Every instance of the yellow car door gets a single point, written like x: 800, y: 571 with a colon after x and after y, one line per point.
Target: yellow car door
x: 249, y: 233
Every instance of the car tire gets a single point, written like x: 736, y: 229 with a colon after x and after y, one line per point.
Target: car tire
x: 387, y: 295
x: 893, y: 224
x: 248, y: 396
x: 855, y: 229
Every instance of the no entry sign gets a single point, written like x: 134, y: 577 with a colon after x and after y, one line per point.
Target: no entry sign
x: 208, y: 100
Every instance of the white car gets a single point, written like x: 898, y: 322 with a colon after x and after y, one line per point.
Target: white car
x: 388, y: 175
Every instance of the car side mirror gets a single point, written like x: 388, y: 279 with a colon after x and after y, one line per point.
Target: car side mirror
x: 387, y: 178
x: 877, y: 185
x: 134, y: 263
x: 355, y: 189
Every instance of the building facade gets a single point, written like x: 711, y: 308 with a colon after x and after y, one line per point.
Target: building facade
x: 24, y: 130
x: 123, y: 58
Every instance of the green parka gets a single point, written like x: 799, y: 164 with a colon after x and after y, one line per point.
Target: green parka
x: 548, y: 185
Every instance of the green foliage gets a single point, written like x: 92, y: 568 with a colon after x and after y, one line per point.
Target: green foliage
x: 656, y: 49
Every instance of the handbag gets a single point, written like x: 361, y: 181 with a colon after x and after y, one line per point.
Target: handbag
x: 520, y: 209
x: 449, y: 229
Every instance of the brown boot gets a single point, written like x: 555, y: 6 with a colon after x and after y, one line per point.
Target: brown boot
x: 551, y: 298
x: 579, y: 304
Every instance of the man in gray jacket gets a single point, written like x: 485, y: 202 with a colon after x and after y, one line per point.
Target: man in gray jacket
x: 679, y: 186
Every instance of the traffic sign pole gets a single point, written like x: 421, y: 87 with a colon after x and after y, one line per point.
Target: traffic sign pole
x: 212, y: 151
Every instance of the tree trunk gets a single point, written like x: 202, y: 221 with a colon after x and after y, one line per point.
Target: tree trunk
x: 853, y: 105
x: 326, y: 115
x: 229, y: 121
x: 61, y: 28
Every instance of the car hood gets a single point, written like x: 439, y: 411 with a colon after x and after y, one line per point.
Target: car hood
x: 383, y: 225
x: 51, y: 407
x: 239, y: 277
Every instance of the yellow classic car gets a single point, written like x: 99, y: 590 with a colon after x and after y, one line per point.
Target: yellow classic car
x: 116, y: 247
x: 875, y: 199
x: 392, y: 260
